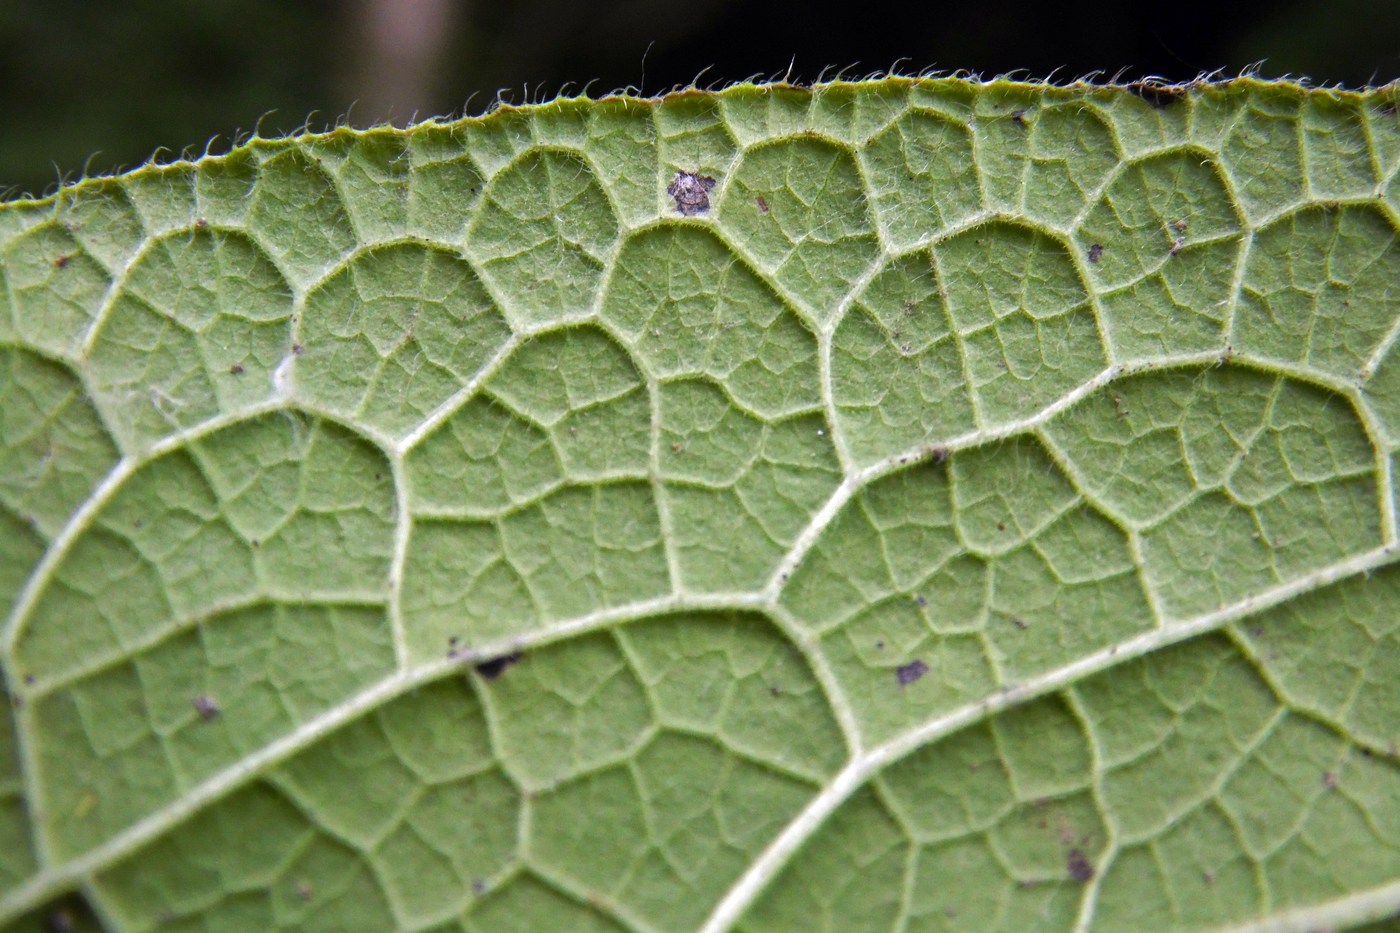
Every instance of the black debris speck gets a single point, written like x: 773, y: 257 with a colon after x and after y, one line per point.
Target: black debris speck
x: 938, y: 453
x: 691, y: 192
x: 1095, y: 251
x: 1078, y: 864
x: 207, y: 708
x: 494, y: 667
x: 908, y: 673
x: 919, y: 600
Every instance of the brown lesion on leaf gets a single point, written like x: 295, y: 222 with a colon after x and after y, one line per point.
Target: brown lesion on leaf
x: 691, y: 192
x: 1158, y: 94
x: 762, y: 204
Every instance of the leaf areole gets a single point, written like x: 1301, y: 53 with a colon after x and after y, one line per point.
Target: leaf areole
x: 917, y: 502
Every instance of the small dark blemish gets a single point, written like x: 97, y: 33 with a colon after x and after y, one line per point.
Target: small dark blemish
x: 296, y: 349
x: 1020, y: 623
x: 478, y: 887
x: 1208, y: 877
x: 691, y: 192
x: 1019, y: 118
x: 908, y: 673
x: 879, y: 646
x: 775, y: 691
x: 677, y: 448
x: 1079, y: 868
x: 1001, y: 526
x: 206, y: 706
x: 1158, y: 95
x: 200, y: 223
x: 782, y: 578
x: 938, y: 453
x: 1177, y: 246
x: 29, y: 680
x: 1095, y: 251
x: 1329, y: 780
x: 63, y: 260
x: 236, y: 369
x: 1179, y: 225
x: 492, y: 668
x: 60, y: 921
x: 762, y: 203
x: 919, y: 600
x: 304, y: 890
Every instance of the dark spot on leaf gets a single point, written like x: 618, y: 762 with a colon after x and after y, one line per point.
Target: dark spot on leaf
x: 1157, y: 94
x: 1020, y: 623
x: 1179, y: 225
x: 1001, y: 526
x: 1095, y: 251
x: 938, y: 453
x: 1078, y: 864
x: 200, y: 223
x: 304, y: 889
x: 677, y: 448
x: 774, y: 690
x: 296, y: 349
x: 1329, y: 780
x: 62, y: 261
x: 879, y: 646
x: 478, y: 887
x: 206, y: 706
x: 1177, y: 246
x: 919, y: 600
x: 492, y: 668
x: 908, y: 673
x: 691, y: 192
x: 762, y: 203
x: 236, y: 369
x: 1019, y: 118
x: 1208, y: 877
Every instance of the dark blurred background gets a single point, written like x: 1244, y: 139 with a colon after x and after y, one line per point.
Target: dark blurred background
x: 94, y: 86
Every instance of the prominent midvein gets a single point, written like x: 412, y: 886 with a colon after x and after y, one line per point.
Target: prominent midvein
x: 863, y: 767
x: 57, y: 878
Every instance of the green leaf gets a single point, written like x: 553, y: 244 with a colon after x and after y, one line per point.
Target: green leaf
x: 914, y: 504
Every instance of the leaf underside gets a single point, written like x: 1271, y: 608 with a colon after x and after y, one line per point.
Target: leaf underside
x: 910, y: 504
